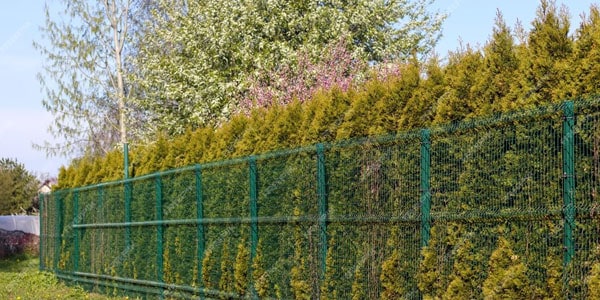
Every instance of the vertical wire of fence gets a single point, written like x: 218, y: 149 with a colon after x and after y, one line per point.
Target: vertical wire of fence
x: 456, y: 211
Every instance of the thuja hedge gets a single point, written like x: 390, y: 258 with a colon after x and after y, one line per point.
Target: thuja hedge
x: 374, y: 109
x: 498, y: 229
x: 497, y: 216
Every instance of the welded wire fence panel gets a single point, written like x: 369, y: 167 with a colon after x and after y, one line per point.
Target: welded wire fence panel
x: 179, y: 203
x: 89, y: 240
x: 287, y: 224
x: 496, y: 190
x: 66, y: 246
x: 135, y: 254
x: 373, y: 206
x: 226, y: 199
x: 585, y: 267
x: 48, y: 231
x: 504, y: 207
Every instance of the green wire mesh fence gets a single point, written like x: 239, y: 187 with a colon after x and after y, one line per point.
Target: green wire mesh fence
x: 501, y: 207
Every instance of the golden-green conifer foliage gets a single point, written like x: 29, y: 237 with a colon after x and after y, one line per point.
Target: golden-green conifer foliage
x: 260, y: 277
x: 593, y: 282
x: 240, y: 273
x: 391, y: 279
x: 507, y: 278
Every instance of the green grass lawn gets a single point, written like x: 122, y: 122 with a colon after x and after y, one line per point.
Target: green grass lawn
x: 20, y: 278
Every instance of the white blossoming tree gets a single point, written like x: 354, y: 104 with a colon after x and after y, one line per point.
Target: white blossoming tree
x: 198, y: 59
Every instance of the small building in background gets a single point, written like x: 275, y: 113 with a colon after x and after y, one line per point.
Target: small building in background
x: 46, y: 187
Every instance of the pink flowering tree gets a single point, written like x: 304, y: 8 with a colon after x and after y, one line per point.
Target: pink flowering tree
x: 337, y: 67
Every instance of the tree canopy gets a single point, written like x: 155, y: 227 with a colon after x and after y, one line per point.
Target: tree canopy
x: 125, y: 69
x: 472, y: 83
x: 18, y: 187
x: 84, y: 48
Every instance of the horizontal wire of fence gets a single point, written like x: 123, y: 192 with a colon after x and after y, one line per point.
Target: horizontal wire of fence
x: 499, y: 207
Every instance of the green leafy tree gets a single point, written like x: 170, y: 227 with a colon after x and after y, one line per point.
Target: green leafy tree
x: 208, y: 269
x: 359, y: 285
x: 554, y: 281
x: 377, y: 106
x: 84, y: 75
x: 594, y: 282
x: 332, y: 274
x: 434, y: 267
x: 18, y: 187
x: 299, y: 282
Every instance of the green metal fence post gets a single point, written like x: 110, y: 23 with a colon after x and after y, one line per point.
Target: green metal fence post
x: 126, y: 160
x: 99, y: 211
x: 322, y: 194
x: 43, y: 236
x: 253, y: 207
x: 75, y: 254
x: 425, y: 187
x: 128, y: 194
x: 57, y: 232
x: 100, y: 217
x: 253, y: 217
x: 200, y: 228
x: 568, y: 184
x: 160, y: 233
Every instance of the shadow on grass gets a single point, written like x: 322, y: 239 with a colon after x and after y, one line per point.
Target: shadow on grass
x: 19, y: 263
x: 21, y: 279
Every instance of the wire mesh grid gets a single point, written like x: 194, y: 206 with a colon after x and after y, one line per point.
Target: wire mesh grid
x: 501, y: 207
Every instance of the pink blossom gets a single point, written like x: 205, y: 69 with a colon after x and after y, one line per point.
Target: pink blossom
x: 338, y: 67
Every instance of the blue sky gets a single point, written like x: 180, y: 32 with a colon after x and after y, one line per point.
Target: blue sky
x: 24, y: 121
x: 472, y: 21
